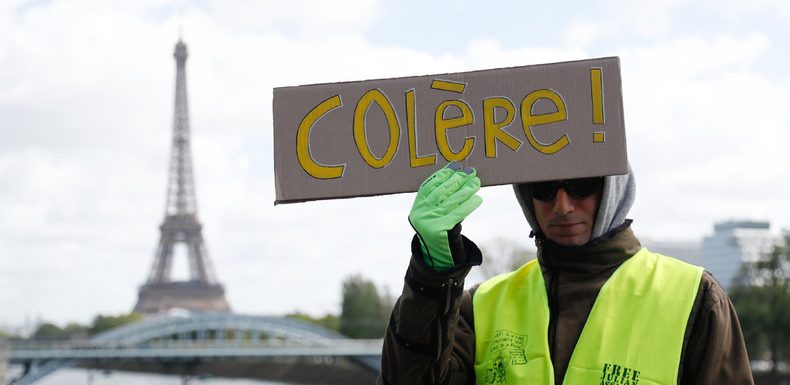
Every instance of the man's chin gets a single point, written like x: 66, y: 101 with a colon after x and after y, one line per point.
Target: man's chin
x: 569, y: 239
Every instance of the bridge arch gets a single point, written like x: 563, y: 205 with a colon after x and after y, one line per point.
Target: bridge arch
x: 266, y: 326
x: 243, y: 328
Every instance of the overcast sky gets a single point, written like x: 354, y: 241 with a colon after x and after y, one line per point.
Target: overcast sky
x: 86, y: 105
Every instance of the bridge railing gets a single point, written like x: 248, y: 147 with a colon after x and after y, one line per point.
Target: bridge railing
x: 192, y: 349
x: 274, y: 343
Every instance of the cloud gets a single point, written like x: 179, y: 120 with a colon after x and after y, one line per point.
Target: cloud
x: 762, y: 8
x: 86, y: 125
x: 489, y: 53
x: 86, y: 99
x: 705, y: 125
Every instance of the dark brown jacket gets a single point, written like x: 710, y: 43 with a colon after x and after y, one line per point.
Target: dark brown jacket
x: 431, y: 340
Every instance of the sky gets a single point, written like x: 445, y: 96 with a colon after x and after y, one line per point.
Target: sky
x: 86, y: 107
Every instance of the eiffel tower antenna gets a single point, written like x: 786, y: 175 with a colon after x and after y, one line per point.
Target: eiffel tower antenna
x: 201, y: 292
x: 180, y: 24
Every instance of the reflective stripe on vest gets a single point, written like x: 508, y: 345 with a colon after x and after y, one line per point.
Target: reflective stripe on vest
x: 633, y: 335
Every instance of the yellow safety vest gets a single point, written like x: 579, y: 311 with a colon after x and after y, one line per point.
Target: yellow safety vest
x: 633, y: 334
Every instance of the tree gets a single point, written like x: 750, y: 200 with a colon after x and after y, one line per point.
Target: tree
x: 503, y: 255
x: 102, y: 323
x: 49, y: 331
x: 76, y: 331
x: 329, y: 321
x: 761, y: 296
x: 364, y: 312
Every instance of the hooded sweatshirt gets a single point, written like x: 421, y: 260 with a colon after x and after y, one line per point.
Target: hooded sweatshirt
x: 617, y: 198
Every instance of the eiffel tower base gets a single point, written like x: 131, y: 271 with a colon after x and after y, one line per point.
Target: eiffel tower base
x: 194, y: 296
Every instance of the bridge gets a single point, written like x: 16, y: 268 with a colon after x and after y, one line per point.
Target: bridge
x: 199, y: 338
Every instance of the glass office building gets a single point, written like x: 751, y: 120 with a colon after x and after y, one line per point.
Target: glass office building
x: 732, y: 243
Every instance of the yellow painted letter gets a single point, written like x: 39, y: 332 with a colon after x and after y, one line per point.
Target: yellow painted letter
x: 303, y: 154
x: 378, y: 97
x: 528, y: 120
x: 442, y: 125
x: 493, y: 130
x: 414, y: 160
x: 596, y: 88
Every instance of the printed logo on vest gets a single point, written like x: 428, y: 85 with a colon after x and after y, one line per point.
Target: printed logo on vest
x: 507, y: 348
x: 614, y: 374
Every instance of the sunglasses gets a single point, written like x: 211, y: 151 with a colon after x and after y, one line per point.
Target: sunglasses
x: 576, y: 188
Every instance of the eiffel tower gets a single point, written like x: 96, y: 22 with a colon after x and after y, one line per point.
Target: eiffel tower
x: 201, y: 293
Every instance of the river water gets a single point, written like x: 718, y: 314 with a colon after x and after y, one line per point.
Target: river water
x: 96, y: 377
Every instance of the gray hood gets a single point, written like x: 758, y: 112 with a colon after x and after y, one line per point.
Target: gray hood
x: 616, y: 199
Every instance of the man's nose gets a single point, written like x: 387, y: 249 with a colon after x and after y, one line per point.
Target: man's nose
x: 563, y: 204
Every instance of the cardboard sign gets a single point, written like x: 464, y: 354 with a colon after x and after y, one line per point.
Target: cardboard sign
x: 519, y: 124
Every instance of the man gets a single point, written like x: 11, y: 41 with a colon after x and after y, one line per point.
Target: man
x: 595, y: 308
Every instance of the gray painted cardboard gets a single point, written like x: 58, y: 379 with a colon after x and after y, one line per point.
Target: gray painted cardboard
x: 518, y: 124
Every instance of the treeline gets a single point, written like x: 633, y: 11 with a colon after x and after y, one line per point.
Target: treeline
x: 761, y: 295
x: 50, y: 331
x: 364, y: 311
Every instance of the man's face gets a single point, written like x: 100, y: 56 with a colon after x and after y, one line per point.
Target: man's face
x: 567, y: 218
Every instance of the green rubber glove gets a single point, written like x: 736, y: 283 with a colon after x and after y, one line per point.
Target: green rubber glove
x: 442, y: 202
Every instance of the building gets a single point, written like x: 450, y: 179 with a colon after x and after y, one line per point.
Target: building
x: 732, y: 244
x: 688, y: 251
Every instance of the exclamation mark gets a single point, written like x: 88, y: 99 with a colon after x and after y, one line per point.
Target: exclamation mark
x: 596, y: 85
